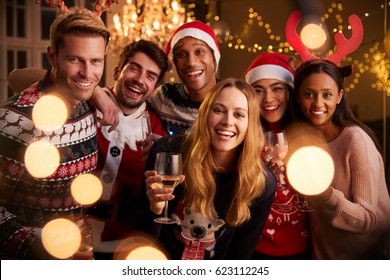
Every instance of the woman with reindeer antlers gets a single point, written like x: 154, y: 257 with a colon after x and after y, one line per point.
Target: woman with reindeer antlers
x: 351, y: 219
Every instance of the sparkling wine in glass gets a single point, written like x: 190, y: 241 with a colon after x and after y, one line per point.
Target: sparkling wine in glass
x: 276, y: 140
x: 169, y: 166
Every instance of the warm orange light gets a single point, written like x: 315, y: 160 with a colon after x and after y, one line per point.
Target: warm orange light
x: 138, y: 248
x: 61, y: 238
x: 42, y: 159
x: 310, y: 170
x: 86, y: 189
x: 49, y: 113
x: 313, y: 36
x: 146, y: 253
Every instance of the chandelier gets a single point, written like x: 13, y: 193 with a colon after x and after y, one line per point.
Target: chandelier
x: 153, y: 20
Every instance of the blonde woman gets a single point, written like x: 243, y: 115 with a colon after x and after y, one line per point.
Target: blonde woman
x: 224, y: 176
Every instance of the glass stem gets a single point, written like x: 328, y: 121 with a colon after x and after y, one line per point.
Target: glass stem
x: 166, y: 210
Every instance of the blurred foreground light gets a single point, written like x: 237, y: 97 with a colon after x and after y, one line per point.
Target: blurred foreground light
x: 42, y: 159
x: 313, y: 36
x: 49, y: 113
x: 86, y: 189
x: 310, y: 170
x: 61, y: 238
x: 146, y: 253
x: 139, y: 248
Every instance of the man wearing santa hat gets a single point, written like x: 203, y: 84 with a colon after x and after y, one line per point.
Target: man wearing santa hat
x: 195, y: 53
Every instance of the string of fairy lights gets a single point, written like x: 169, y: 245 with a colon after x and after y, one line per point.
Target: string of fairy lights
x: 374, y: 59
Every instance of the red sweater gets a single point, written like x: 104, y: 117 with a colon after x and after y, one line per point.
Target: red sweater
x: 287, y: 230
x: 121, y: 171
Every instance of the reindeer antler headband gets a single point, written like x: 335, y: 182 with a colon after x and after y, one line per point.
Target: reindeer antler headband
x: 99, y: 7
x: 344, y: 46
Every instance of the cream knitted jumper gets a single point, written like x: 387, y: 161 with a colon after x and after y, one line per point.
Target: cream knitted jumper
x: 352, y: 223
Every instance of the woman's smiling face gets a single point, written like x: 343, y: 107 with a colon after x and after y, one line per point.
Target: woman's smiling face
x: 228, y: 120
x: 273, y: 98
x: 318, y: 98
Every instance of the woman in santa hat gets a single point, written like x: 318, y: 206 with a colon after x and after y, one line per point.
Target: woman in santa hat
x: 286, y: 234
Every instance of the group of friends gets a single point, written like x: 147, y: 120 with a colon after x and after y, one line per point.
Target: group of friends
x: 217, y: 125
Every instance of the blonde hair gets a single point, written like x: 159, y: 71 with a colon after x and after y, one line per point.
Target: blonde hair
x: 77, y: 21
x: 200, y: 167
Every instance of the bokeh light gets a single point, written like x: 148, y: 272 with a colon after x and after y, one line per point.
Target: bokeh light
x: 42, y: 159
x: 310, y: 170
x: 61, y: 238
x: 86, y: 189
x: 313, y: 36
x: 49, y: 113
x: 139, y: 247
x: 146, y: 253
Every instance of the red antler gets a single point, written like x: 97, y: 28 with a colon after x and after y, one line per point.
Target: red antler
x: 60, y: 4
x: 99, y: 8
x: 102, y: 5
x: 294, y: 39
x: 344, y: 46
x: 347, y: 46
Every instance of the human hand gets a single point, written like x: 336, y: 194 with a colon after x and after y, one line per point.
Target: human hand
x: 274, y: 161
x: 156, y: 193
x: 146, y: 145
x: 109, y: 110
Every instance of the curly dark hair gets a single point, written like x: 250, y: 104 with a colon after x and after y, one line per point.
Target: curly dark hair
x: 151, y: 50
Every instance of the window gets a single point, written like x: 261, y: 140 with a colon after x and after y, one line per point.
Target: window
x: 15, y: 18
x: 24, y: 39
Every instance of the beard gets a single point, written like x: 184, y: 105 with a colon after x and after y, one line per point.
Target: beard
x: 127, y: 102
x: 130, y: 104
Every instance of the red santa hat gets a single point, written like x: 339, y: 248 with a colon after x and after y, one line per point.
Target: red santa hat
x: 197, y: 30
x: 270, y: 66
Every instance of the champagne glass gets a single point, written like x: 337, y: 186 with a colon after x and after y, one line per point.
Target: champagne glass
x: 277, y: 141
x: 146, y: 125
x: 86, y: 246
x: 304, y: 205
x: 146, y: 129
x: 169, y: 166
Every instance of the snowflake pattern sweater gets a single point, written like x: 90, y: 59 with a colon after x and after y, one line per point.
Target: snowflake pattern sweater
x: 176, y: 109
x: 26, y: 202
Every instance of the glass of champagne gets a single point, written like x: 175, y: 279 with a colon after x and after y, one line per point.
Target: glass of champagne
x: 146, y: 125
x: 85, y: 251
x: 277, y: 141
x: 169, y: 166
